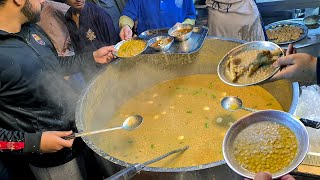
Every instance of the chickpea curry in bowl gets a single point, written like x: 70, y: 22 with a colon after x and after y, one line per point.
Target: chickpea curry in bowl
x: 265, y: 141
x: 249, y: 64
x: 130, y: 48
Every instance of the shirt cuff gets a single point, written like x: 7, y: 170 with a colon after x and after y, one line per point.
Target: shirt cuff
x: 125, y: 20
x: 32, y: 142
x: 189, y: 21
x: 318, y: 70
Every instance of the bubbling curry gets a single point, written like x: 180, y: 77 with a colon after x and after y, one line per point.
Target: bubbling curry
x: 180, y: 112
x: 265, y: 147
x: 131, y: 48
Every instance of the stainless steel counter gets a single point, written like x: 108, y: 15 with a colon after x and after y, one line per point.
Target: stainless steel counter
x: 279, y: 5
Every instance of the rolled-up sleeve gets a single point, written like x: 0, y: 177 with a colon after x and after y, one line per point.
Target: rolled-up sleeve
x: 191, y: 11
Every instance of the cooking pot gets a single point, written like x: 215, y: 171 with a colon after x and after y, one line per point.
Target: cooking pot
x: 124, y: 78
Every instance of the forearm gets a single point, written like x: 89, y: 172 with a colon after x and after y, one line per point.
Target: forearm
x: 19, y: 142
x: 72, y: 64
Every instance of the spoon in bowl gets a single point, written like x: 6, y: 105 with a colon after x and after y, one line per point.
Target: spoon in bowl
x: 131, y: 123
x: 232, y: 103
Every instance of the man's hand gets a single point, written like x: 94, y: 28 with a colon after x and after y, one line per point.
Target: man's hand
x: 104, y: 54
x: 52, y: 141
x: 267, y: 176
x: 291, y: 50
x: 299, y: 67
x: 125, y: 33
x: 178, y: 23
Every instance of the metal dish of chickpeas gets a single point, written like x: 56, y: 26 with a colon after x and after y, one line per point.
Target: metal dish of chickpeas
x: 286, y: 32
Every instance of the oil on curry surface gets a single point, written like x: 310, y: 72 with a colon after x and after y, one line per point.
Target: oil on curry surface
x: 179, y: 112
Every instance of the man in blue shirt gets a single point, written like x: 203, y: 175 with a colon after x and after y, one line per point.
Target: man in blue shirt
x: 155, y: 14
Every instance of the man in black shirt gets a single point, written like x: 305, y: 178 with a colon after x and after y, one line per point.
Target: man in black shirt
x: 90, y: 27
x: 36, y: 103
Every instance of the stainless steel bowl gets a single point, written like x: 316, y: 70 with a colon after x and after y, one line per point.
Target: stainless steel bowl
x: 119, y: 44
x: 182, y: 37
x: 280, y: 117
x: 312, y: 21
x: 164, y: 46
x: 255, y: 45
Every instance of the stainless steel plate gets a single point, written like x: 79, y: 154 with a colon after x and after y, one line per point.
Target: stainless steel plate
x: 255, y: 45
x: 285, y: 23
x: 192, y: 45
x: 119, y: 44
x: 279, y: 117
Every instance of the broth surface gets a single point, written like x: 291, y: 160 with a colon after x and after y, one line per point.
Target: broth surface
x: 265, y: 147
x: 180, y: 112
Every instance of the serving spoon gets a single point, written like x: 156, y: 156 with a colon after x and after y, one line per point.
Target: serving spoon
x: 132, y: 170
x: 232, y: 103
x: 131, y: 123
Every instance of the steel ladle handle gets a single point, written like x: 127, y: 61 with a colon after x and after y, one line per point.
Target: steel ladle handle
x: 310, y: 123
x: 71, y: 136
x: 74, y: 135
x: 127, y: 173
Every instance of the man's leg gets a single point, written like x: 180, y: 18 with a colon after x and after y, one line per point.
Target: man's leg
x: 70, y: 171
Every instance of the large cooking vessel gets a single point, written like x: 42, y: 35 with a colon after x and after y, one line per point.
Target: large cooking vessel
x: 123, y: 79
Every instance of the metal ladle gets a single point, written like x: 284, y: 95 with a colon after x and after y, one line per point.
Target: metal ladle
x: 130, y: 171
x: 232, y: 103
x: 131, y: 123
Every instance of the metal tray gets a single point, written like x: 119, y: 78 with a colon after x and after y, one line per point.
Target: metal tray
x: 282, y: 23
x: 192, y: 45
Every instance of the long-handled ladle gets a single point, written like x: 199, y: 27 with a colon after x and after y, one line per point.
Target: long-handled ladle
x: 131, y: 123
x: 232, y: 103
x: 130, y: 171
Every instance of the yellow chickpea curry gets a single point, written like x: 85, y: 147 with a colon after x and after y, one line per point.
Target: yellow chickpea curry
x: 251, y: 66
x: 131, y: 48
x: 181, y: 32
x: 284, y: 33
x: 180, y: 112
x: 265, y: 147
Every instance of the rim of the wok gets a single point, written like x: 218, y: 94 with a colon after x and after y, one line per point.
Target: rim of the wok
x: 80, y: 126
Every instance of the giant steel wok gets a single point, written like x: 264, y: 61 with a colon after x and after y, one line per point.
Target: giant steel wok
x: 124, y: 78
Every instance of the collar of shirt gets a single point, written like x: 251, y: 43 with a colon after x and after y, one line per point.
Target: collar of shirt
x: 83, y: 11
